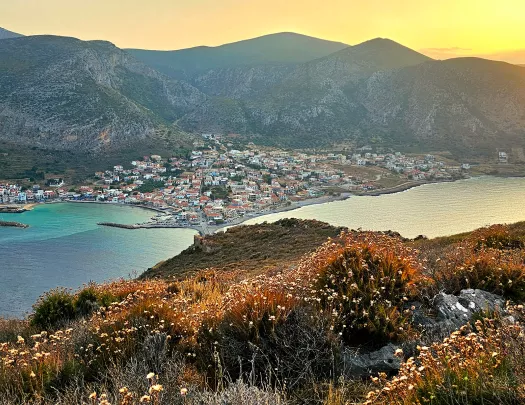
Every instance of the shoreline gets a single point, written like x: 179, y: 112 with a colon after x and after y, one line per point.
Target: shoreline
x: 205, y: 229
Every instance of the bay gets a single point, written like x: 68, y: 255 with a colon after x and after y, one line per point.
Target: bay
x: 65, y: 247
x: 433, y: 210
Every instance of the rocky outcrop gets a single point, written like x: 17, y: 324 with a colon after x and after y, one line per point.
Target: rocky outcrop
x: 13, y: 224
x: 450, y: 312
x: 447, y: 314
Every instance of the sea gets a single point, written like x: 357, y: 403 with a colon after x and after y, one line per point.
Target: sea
x: 65, y: 247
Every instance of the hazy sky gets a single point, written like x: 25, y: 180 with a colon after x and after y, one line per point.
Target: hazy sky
x: 440, y: 28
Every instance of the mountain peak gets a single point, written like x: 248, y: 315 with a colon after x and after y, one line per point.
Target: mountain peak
x: 284, y: 48
x: 6, y: 34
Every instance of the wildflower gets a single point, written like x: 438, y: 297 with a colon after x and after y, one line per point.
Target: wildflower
x: 145, y: 398
x: 150, y: 376
x: 20, y: 340
x: 183, y: 391
x: 93, y: 395
x: 155, y: 388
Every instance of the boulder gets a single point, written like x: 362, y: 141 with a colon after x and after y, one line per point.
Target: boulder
x: 357, y: 364
x: 458, y: 310
x: 451, y: 312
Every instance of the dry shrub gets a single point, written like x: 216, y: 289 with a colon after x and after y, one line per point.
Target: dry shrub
x: 490, y: 259
x: 364, y: 284
x: 496, y: 237
x: 268, y: 334
x: 484, y: 366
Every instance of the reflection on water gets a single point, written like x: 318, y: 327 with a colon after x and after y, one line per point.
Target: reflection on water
x: 432, y: 210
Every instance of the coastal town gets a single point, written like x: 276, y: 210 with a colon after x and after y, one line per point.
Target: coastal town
x: 215, y: 184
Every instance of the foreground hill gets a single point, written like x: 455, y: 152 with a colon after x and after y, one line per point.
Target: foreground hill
x: 275, y: 49
x: 63, y: 93
x: 6, y: 34
x: 253, y: 249
x: 367, y: 318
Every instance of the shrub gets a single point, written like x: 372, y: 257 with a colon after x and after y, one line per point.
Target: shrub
x: 481, y: 367
x: 54, y: 308
x: 364, y: 285
x: 496, y: 237
x: 498, y: 271
x: 90, y: 300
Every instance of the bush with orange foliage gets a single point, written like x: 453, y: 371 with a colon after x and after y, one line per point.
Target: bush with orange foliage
x: 484, y: 366
x: 489, y: 259
x: 364, y: 283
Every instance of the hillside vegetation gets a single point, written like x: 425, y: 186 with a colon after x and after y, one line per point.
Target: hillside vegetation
x: 360, y: 320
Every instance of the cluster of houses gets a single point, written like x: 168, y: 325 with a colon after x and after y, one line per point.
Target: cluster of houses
x: 15, y: 194
x: 420, y: 168
x: 215, y: 183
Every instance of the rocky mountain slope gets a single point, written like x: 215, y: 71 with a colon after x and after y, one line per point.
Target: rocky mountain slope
x: 274, y: 49
x: 5, y: 34
x: 378, y: 91
x: 63, y: 93
x: 67, y: 94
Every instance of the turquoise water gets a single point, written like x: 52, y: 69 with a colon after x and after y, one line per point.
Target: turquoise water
x: 64, y: 246
x: 433, y: 210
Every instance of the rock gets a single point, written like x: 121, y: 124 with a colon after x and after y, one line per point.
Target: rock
x: 479, y: 300
x: 451, y: 312
x: 458, y: 310
x: 372, y: 363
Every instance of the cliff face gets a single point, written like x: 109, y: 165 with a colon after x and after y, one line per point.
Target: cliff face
x: 62, y: 93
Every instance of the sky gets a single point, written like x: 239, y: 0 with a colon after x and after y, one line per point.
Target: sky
x: 440, y: 29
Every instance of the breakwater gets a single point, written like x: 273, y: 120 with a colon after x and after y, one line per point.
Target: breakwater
x: 13, y: 224
x: 11, y: 210
x: 115, y: 225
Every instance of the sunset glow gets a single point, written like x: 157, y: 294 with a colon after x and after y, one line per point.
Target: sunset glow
x: 441, y: 29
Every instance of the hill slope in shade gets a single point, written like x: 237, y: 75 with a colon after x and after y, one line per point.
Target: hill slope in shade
x: 6, y: 34
x: 63, y: 93
x: 282, y: 48
x: 252, y: 248
x: 377, y: 90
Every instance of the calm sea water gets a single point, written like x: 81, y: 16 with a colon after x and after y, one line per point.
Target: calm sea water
x: 433, y: 210
x: 65, y: 247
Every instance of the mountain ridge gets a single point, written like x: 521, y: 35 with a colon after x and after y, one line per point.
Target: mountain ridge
x: 277, y: 49
x: 6, y: 34
x: 64, y: 93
